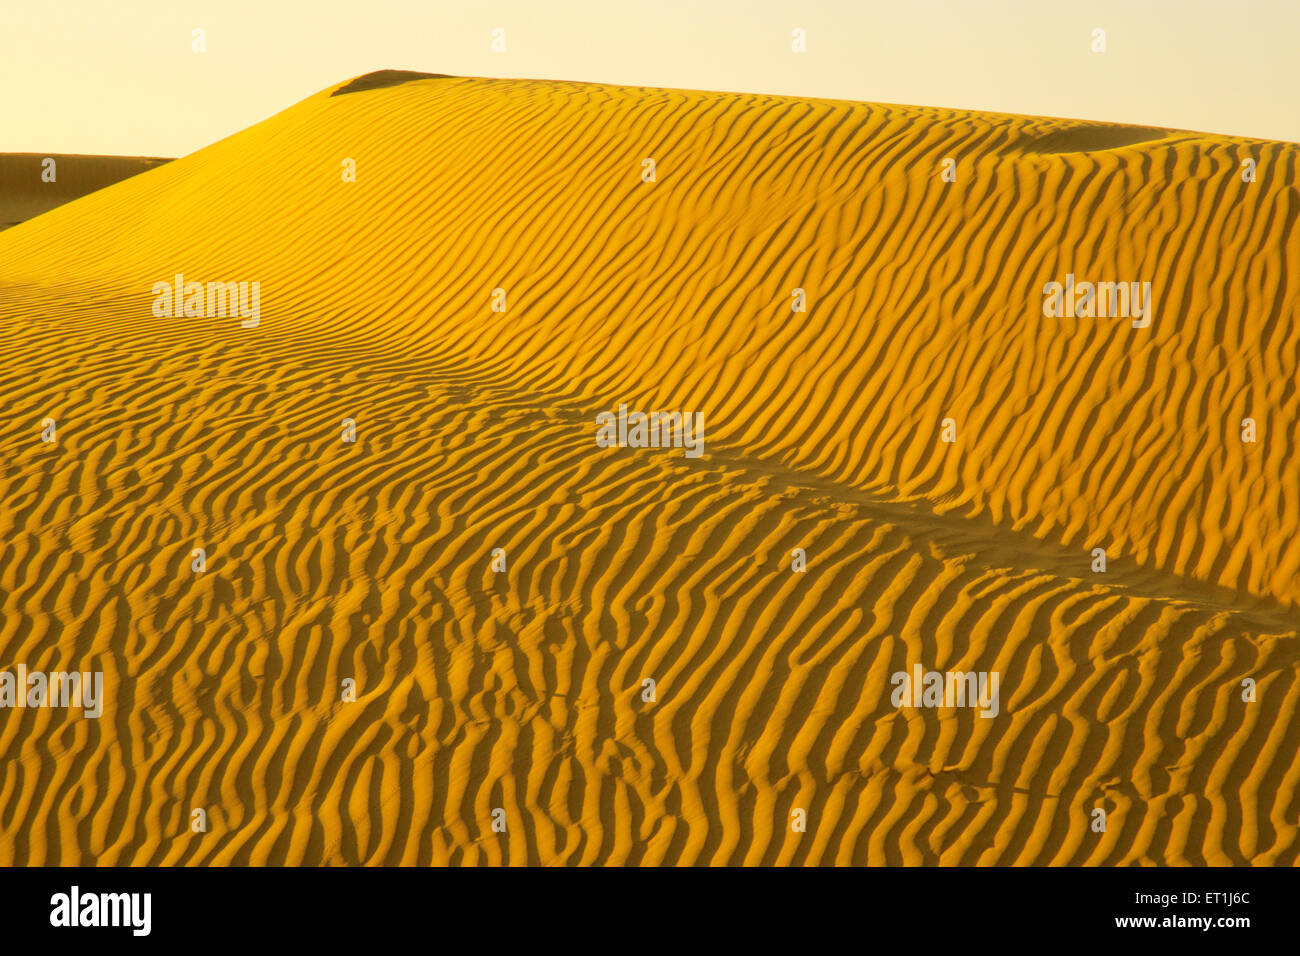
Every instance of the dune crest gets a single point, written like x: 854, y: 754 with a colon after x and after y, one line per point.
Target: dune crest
x: 382, y: 79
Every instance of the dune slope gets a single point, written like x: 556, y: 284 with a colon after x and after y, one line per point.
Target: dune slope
x: 501, y: 272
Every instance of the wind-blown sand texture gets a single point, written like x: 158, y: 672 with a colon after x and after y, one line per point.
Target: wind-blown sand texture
x: 24, y: 194
x: 476, y: 430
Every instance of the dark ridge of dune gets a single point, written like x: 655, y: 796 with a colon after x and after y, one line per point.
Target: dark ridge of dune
x: 1094, y: 137
x: 25, y: 195
x: 382, y: 79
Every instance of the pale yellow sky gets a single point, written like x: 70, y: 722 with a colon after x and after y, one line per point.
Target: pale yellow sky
x: 119, y: 76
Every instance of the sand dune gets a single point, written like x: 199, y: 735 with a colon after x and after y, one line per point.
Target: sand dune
x: 29, y: 186
x: 523, y: 690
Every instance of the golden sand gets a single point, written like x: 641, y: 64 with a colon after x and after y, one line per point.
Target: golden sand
x: 523, y: 690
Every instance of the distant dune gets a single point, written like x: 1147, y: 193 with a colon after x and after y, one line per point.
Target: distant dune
x: 524, y: 690
x: 25, y: 192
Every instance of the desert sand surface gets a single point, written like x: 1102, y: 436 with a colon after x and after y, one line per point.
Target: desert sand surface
x: 522, y: 691
x: 25, y: 194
